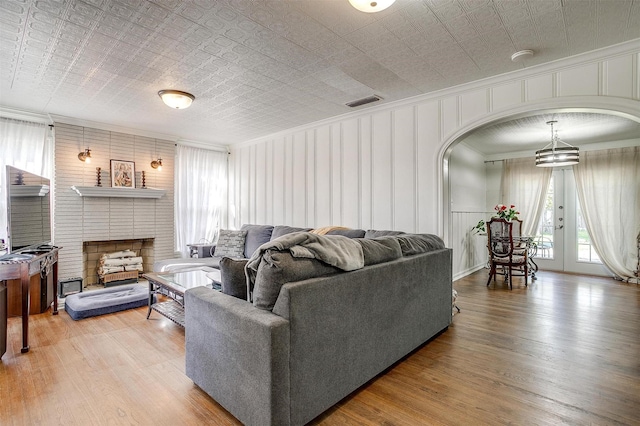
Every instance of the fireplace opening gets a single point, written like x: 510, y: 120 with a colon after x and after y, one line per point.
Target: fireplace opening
x: 97, y: 254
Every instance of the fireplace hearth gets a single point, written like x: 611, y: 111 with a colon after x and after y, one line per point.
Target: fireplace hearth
x: 104, y: 264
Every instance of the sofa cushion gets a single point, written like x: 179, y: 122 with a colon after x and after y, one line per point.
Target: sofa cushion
x: 411, y: 244
x: 351, y: 233
x: 280, y: 267
x: 280, y: 230
x: 230, y: 243
x: 257, y: 235
x: 372, y: 233
x: 378, y: 250
x: 234, y: 282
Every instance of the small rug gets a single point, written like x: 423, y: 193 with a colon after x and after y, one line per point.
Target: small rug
x: 106, y: 301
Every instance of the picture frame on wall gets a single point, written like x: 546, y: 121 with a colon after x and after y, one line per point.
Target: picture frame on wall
x: 123, y: 174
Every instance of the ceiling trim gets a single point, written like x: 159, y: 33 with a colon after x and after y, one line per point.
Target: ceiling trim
x: 554, y: 66
x: 111, y: 127
x: 17, y: 114
x: 203, y: 145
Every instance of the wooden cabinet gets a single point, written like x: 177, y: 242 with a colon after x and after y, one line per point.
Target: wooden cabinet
x: 40, y: 295
x: 33, y: 275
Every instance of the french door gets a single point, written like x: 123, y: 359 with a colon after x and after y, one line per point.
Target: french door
x: 562, y: 239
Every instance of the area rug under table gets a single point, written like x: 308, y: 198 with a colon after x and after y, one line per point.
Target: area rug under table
x: 112, y: 299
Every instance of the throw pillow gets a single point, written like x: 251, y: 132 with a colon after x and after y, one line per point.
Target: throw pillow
x: 280, y: 230
x: 371, y: 233
x: 234, y: 282
x: 378, y: 250
x: 257, y: 235
x: 230, y: 243
x: 351, y: 233
x: 419, y: 243
x: 278, y: 268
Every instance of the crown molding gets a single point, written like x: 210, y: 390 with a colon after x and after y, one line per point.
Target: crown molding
x: 111, y: 127
x: 17, y: 114
x: 203, y: 145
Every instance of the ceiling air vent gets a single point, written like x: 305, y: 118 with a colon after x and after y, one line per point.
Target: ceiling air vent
x: 363, y: 101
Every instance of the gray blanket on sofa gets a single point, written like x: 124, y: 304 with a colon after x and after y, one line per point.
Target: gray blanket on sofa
x: 336, y: 250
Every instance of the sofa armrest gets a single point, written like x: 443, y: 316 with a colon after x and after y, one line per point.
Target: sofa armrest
x: 239, y: 355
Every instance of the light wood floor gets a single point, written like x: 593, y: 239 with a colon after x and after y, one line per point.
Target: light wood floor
x: 565, y: 350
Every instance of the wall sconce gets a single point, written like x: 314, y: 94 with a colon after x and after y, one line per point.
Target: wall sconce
x: 157, y: 164
x: 85, y: 156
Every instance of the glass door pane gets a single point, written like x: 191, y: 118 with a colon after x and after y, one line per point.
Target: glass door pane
x: 544, y: 234
x: 586, y: 253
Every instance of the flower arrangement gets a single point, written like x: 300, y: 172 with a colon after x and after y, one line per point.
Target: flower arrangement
x: 503, y: 212
x: 506, y: 213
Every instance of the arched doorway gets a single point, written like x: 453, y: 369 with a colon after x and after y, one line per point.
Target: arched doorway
x: 468, y: 252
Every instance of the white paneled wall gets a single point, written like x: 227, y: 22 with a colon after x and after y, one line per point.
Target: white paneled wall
x: 382, y: 168
x: 468, y: 186
x: 78, y: 219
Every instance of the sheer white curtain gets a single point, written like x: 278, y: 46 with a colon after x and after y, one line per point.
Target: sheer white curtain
x: 525, y: 186
x: 25, y: 145
x: 608, y: 186
x: 201, y: 195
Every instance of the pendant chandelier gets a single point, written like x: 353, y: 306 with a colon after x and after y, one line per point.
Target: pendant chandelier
x: 553, y: 155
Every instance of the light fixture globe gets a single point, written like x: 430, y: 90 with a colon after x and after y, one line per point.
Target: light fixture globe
x: 371, y: 6
x: 176, y: 99
x: 554, y: 156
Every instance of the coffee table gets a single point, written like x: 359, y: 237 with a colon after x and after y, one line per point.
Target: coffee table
x: 173, y: 285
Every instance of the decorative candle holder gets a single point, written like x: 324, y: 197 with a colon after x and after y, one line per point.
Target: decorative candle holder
x: 98, y: 177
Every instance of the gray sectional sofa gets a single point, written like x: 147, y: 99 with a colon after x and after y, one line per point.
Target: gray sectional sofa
x: 311, y: 333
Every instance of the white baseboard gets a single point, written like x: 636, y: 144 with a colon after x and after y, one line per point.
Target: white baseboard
x: 468, y: 271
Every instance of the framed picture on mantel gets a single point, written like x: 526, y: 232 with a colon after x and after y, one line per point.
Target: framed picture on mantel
x: 123, y: 174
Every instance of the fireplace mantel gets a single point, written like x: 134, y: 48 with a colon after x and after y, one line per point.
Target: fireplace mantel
x: 101, y: 191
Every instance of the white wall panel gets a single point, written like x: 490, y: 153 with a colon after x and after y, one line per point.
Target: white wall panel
x: 310, y: 177
x: 382, y: 165
x: 473, y: 105
x: 261, y: 184
x: 323, y: 177
x: 449, y: 115
x: 279, y: 206
x: 299, y: 180
x: 540, y: 87
x: 578, y: 81
x: 268, y: 183
x: 336, y: 175
x: 429, y: 131
x: 506, y: 95
x: 404, y: 179
x: 619, y: 76
x: 366, y: 172
x: 350, y: 197
x: 288, y: 180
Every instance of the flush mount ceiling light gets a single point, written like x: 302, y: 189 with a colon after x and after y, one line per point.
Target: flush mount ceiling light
x: 85, y: 156
x: 370, y: 6
x: 176, y: 99
x: 522, y: 55
x: 553, y: 156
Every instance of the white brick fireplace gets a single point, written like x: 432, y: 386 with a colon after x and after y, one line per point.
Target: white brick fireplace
x: 103, y: 217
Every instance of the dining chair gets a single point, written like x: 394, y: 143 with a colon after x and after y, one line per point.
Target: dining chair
x: 519, y: 245
x: 502, y: 252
